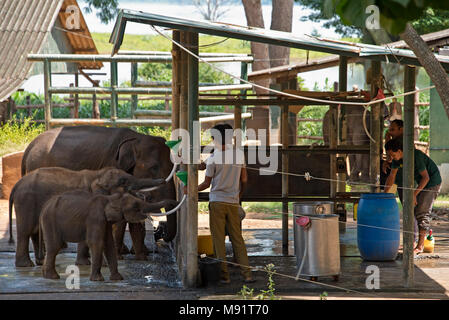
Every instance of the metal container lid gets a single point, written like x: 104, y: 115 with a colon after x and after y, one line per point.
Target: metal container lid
x: 313, y: 207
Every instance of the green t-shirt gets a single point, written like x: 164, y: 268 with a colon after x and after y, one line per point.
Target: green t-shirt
x: 422, y: 162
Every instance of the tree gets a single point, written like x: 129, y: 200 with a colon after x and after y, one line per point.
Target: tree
x: 213, y: 10
x: 254, y: 18
x: 281, y: 20
x: 396, y: 17
x: 269, y: 56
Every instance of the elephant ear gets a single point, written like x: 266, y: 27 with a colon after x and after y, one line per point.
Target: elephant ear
x: 113, y: 210
x: 97, y: 187
x: 126, y: 157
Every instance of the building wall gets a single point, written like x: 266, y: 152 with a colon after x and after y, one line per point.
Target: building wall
x: 439, y: 144
x: 55, y: 43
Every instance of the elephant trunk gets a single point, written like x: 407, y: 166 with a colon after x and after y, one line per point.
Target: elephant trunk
x: 141, y: 184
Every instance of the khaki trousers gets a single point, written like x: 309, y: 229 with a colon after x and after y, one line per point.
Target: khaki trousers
x: 225, y: 215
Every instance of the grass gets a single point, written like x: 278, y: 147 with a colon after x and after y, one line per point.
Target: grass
x: 15, y: 137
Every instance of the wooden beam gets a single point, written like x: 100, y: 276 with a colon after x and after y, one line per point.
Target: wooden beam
x: 191, y: 245
x: 271, y: 102
x: 134, y: 97
x: 342, y: 87
x: 176, y: 82
x: 47, y: 85
x: 284, y: 141
x: 375, y: 145
x: 408, y: 178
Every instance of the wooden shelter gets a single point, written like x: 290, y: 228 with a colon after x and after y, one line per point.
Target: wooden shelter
x: 186, y: 101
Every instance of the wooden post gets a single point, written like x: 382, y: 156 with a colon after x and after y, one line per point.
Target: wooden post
x: 375, y: 146
x: 284, y: 140
x: 47, y: 85
x: 72, y: 101
x: 134, y: 97
x: 114, y: 85
x: 191, y: 245
x: 333, y: 140
x: 167, y: 102
x: 182, y: 80
x: 242, y: 109
x: 30, y: 111
x: 76, y: 103
x: 95, y: 107
x: 342, y: 87
x: 184, y: 121
x: 176, y: 81
x: 408, y: 178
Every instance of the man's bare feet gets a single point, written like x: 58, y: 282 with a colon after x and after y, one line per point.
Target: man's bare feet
x: 418, y: 250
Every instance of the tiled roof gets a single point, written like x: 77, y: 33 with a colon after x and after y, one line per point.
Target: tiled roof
x: 24, y: 27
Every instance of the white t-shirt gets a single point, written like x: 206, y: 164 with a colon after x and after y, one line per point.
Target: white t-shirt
x: 225, y: 167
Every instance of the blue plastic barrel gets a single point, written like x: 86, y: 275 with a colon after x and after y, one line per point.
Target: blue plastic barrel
x: 378, y: 226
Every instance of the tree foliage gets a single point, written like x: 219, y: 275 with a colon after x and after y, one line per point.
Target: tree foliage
x: 425, y: 19
x: 329, y: 18
x: 394, y: 14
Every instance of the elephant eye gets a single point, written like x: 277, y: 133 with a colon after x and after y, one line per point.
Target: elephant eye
x: 122, y: 181
x: 155, y: 169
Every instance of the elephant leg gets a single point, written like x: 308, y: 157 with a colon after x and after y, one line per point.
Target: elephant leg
x: 22, y: 252
x: 118, y: 230
x: 97, y: 259
x: 111, y: 254
x: 137, y: 231
x: 82, y: 254
x: 38, y: 255
x: 354, y: 173
x: 48, y: 269
x: 365, y: 162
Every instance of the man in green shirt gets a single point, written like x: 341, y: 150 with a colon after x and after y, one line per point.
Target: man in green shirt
x: 428, y: 178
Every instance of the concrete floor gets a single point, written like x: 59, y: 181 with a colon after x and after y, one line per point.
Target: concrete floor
x: 158, y: 278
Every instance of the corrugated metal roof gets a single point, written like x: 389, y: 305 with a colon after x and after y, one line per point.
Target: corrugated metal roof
x: 24, y: 27
x: 357, y: 50
x: 433, y: 39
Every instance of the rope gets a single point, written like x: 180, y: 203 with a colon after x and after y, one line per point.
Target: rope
x: 365, y: 105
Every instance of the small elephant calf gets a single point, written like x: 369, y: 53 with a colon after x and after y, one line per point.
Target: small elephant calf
x: 78, y: 216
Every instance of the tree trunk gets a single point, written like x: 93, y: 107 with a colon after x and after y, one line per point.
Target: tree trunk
x: 254, y: 18
x: 281, y: 20
x: 427, y: 59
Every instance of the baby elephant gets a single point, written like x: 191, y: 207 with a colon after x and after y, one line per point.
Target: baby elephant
x: 77, y: 216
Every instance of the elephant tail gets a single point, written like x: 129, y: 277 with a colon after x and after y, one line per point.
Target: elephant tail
x: 41, y: 249
x: 11, y: 203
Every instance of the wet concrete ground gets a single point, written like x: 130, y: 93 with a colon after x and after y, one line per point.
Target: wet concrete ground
x: 158, y: 278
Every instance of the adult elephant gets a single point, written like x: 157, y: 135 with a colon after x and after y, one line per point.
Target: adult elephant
x: 356, y: 135
x: 91, y: 147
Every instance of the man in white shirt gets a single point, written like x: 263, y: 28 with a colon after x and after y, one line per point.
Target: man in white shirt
x: 226, y: 174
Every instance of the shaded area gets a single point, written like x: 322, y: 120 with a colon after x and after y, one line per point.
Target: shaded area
x: 158, y: 278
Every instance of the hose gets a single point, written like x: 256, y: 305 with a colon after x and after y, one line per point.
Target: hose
x: 161, y: 214
x: 306, y: 242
